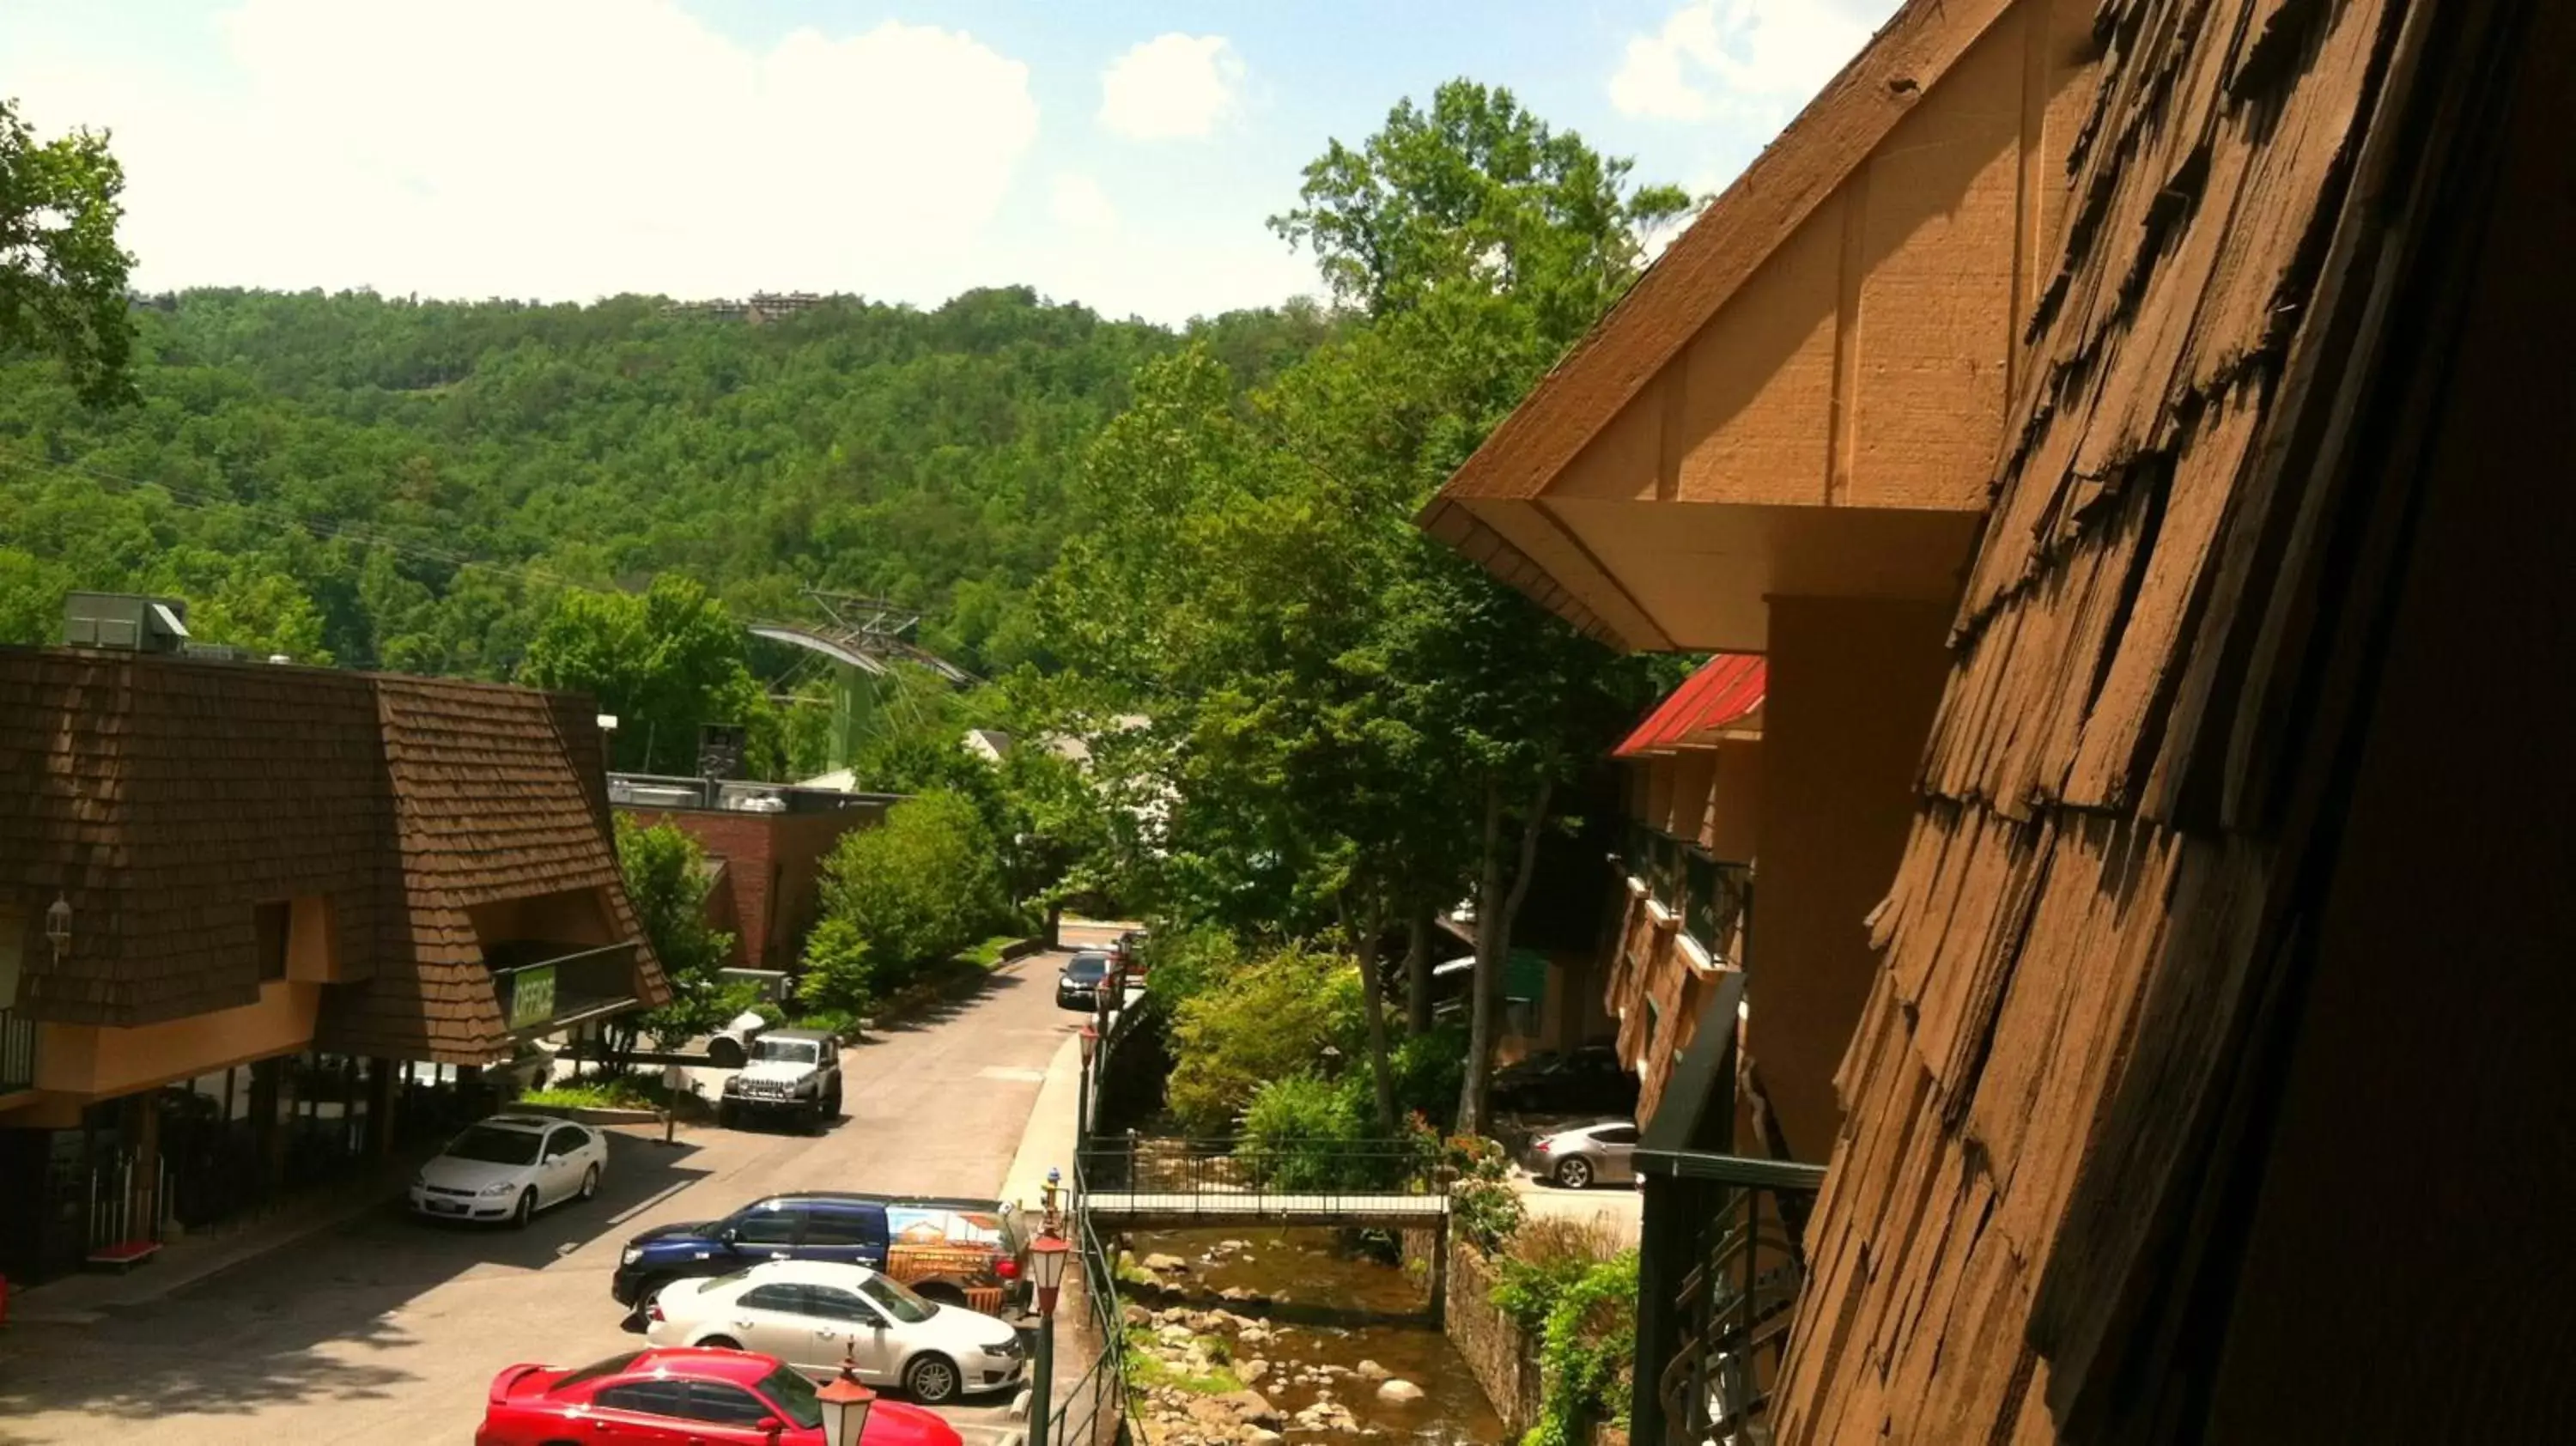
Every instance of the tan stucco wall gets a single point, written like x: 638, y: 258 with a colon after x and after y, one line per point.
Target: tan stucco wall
x: 1853, y: 687
x: 1734, y: 821
x: 94, y: 1061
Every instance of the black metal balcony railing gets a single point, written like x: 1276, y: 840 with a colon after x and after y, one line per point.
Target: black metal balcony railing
x: 17, y: 1051
x: 1713, y: 897
x: 1738, y: 1293
x: 550, y: 993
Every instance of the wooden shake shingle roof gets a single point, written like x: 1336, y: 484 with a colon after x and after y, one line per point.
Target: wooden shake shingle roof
x: 2092, y: 859
x: 163, y: 797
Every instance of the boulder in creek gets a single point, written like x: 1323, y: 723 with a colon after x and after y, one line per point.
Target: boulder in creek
x: 1371, y: 1371
x: 1162, y: 1264
x: 1250, y: 1407
x: 1399, y: 1391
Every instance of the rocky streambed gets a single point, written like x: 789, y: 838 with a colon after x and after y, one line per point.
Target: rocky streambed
x: 1290, y: 1335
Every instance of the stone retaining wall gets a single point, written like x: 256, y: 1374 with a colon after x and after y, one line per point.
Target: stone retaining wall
x: 1503, y: 1359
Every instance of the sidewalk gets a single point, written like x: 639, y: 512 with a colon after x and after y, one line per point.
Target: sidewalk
x: 83, y: 1299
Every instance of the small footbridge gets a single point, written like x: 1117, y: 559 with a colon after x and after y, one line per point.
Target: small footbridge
x: 1148, y: 1183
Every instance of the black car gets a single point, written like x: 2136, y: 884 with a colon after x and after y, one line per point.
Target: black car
x: 1587, y: 1081
x: 1078, y: 987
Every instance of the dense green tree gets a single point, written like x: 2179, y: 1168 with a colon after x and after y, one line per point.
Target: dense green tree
x: 667, y: 882
x: 62, y: 275
x: 917, y: 888
x: 1357, y: 726
x: 665, y: 663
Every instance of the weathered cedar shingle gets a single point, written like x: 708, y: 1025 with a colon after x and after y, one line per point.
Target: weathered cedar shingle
x: 2050, y: 874
x: 163, y: 797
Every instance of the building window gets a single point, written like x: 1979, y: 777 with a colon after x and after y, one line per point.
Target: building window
x: 269, y: 925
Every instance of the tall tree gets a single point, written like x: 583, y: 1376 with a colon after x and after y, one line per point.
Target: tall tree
x: 667, y: 882
x: 664, y: 663
x: 1359, y: 726
x: 62, y: 275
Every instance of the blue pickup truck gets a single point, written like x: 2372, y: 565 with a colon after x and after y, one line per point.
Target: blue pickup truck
x: 946, y: 1248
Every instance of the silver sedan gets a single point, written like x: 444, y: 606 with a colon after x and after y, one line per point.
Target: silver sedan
x: 1586, y: 1155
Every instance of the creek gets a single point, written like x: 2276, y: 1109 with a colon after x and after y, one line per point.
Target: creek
x: 1323, y: 1305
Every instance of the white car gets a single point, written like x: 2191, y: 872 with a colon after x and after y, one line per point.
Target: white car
x: 812, y: 1313
x: 509, y: 1167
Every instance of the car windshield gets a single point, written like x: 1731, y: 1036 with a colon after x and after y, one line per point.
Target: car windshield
x: 897, y: 1300
x: 614, y: 1365
x: 1087, y: 966
x: 495, y: 1146
x: 793, y: 1395
x: 784, y: 1051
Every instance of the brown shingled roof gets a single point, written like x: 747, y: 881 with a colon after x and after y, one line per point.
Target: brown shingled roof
x: 162, y: 797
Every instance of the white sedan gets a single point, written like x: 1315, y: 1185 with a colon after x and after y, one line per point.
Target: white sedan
x: 509, y: 1167
x: 811, y: 1314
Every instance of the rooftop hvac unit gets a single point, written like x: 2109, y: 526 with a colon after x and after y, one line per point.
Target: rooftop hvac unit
x: 124, y: 621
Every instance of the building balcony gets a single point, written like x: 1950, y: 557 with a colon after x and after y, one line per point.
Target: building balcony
x: 1711, y: 899
x: 543, y: 987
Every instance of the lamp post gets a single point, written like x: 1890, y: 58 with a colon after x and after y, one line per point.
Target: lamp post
x: 1046, y: 1271
x: 1082, y: 1103
x: 846, y: 1403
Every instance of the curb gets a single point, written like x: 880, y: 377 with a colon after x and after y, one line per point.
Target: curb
x: 593, y: 1114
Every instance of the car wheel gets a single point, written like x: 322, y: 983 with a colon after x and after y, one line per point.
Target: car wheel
x: 590, y: 1182
x: 832, y: 1101
x: 527, y: 1210
x: 932, y: 1380
x: 1574, y: 1172
x: 724, y: 1117
x: 720, y: 1343
x: 725, y: 1052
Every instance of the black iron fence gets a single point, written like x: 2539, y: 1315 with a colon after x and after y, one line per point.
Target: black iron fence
x: 1093, y: 1409
x: 1320, y: 1172
x: 17, y: 1051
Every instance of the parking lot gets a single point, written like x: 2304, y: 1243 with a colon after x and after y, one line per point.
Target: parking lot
x: 383, y: 1328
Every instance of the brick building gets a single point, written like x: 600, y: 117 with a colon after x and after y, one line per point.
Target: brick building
x: 258, y: 922
x: 766, y: 843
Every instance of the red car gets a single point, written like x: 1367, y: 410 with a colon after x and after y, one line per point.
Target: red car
x: 681, y: 1398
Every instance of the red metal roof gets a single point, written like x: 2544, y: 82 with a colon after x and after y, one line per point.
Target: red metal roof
x: 1724, y: 690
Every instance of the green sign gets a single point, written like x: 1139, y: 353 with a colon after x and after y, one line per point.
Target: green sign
x: 532, y: 996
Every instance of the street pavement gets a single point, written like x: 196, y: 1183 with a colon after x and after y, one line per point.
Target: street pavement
x: 382, y: 1328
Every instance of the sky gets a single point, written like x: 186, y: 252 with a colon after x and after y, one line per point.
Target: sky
x: 1123, y: 155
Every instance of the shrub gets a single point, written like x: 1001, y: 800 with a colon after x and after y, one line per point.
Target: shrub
x: 840, y: 968
x: 1543, y: 1260
x: 1265, y: 1021
x: 1588, y: 1353
x: 917, y: 889
x: 836, y: 1022
x: 1297, y: 1134
x: 1482, y: 1203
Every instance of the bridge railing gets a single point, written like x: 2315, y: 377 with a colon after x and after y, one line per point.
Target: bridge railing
x: 1321, y: 1173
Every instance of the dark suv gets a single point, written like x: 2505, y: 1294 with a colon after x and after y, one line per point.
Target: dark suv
x: 946, y: 1248
x: 1078, y: 987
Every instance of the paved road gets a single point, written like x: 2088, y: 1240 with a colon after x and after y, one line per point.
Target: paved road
x: 385, y: 1329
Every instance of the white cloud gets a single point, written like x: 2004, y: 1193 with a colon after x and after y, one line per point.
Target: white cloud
x: 1751, y: 58
x: 562, y: 150
x: 1170, y: 86
x: 1076, y: 202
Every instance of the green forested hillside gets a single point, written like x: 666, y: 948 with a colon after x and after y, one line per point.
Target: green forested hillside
x: 384, y: 483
